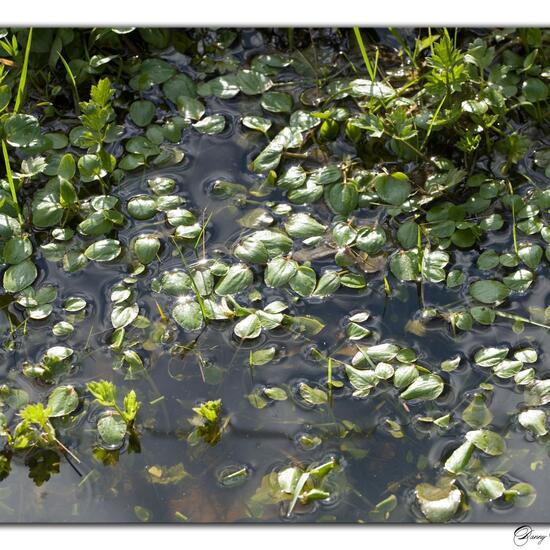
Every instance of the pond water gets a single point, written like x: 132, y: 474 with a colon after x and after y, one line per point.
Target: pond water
x: 382, y: 445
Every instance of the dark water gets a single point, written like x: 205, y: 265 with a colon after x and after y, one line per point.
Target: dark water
x: 375, y: 464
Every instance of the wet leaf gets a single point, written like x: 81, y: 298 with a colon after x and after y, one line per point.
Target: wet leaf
x: 487, y: 441
x: 103, y: 251
x: 438, y: 503
x: 249, y: 327
x: 62, y: 401
x: 489, y: 292
x: 425, y: 387
x: 534, y: 420
x: 20, y: 276
x: 238, y: 278
x: 188, y: 315
x: 112, y: 430
x: 123, y: 316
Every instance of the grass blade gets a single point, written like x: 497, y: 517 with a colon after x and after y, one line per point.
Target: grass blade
x: 366, y: 59
x: 23, y: 78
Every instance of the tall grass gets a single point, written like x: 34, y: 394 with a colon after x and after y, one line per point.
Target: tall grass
x: 23, y: 77
x: 370, y: 68
x: 72, y: 80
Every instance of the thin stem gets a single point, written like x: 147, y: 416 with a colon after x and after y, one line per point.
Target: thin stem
x: 10, y: 181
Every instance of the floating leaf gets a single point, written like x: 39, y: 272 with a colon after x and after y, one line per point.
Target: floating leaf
x: 489, y: 292
x: 112, y: 430
x: 62, y: 401
x: 122, y: 315
x: 534, y: 420
x: 188, y: 315
x: 103, y: 251
x: 238, y: 278
x: 487, y: 441
x: 425, y: 387
x: 438, y: 503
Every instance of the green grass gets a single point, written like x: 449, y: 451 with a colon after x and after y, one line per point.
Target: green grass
x: 370, y: 69
x: 23, y: 77
x: 72, y: 80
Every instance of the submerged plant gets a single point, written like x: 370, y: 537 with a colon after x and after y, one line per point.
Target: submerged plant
x: 114, y: 425
x: 207, y: 423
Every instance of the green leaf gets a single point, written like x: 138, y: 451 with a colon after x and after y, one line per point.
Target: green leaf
x: 380, y: 352
x: 530, y: 255
x: 371, y: 240
x: 21, y: 130
x: 328, y: 284
x: 17, y: 249
x: 459, y: 458
x: 20, y: 276
x: 262, y: 356
x: 210, y: 125
x: 438, y: 503
x: 490, y: 487
x: 487, y: 441
x: 188, y: 315
x: 142, y: 112
x: 424, y: 388
x: 404, y: 265
x: 224, y: 87
x: 277, y: 102
x: 313, y: 396
x: 304, y: 281
x: 482, y: 314
x: 252, y: 82
x: 62, y: 401
x: 257, y: 123
x: 393, y: 189
x: 238, y: 278
x: 103, y: 251
x: 279, y: 271
x: 104, y: 392
x: 142, y: 207
x: 112, y: 430
x: 146, y: 248
x: 526, y: 355
x: 407, y: 234
x: 450, y: 365
x: 46, y: 208
x: 489, y: 292
x: 534, y: 420
x: 122, y: 315
x: 190, y: 108
x: 362, y: 380
x: 489, y: 357
x: 249, y: 327
x: 477, y: 414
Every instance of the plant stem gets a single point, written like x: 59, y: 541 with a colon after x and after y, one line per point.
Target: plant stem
x: 10, y: 181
